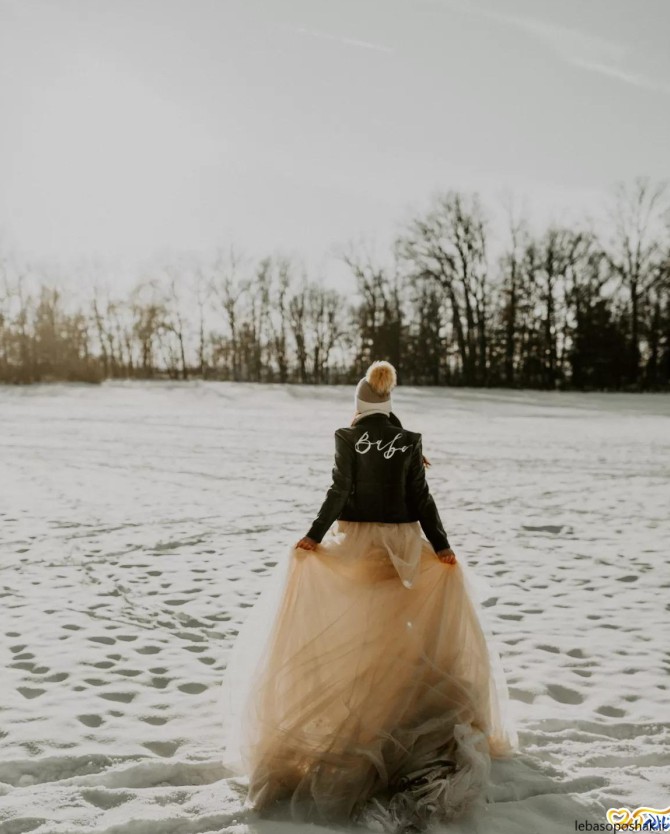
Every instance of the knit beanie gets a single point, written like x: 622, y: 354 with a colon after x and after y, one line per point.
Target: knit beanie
x: 373, y: 392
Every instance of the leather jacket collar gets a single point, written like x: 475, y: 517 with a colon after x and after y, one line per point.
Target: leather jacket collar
x: 379, y: 419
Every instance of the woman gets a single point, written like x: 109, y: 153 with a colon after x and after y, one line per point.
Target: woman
x: 361, y: 688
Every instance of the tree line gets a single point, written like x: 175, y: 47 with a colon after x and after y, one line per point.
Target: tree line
x: 565, y: 307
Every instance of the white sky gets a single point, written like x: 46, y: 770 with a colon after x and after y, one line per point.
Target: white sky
x: 136, y: 126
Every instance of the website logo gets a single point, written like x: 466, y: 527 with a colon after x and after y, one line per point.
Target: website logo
x: 640, y: 819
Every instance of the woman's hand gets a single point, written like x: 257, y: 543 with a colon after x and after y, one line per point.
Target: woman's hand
x: 448, y: 556
x: 307, y: 544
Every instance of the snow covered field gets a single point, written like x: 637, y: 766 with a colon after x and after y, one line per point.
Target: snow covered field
x: 138, y: 522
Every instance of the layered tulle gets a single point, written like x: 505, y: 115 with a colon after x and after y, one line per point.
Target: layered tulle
x: 364, y: 685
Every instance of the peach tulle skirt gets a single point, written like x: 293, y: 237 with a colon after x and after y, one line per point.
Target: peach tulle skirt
x: 364, y: 686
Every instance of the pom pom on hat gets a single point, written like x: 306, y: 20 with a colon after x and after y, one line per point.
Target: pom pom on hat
x: 381, y: 377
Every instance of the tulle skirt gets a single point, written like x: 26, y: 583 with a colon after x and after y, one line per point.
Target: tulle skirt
x: 364, y: 685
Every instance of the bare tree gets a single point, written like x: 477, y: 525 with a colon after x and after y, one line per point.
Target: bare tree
x: 449, y: 244
x: 174, y: 319
x: 512, y: 289
x: 202, y: 291
x: 379, y: 315
x: 278, y: 272
x: 325, y: 322
x: 636, y: 253
x: 149, y: 314
x: 257, y: 296
x: 297, y: 308
x: 228, y: 288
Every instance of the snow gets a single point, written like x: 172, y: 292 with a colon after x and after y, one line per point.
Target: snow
x: 139, y: 522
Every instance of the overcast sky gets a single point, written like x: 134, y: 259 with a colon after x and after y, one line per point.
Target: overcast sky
x: 132, y: 126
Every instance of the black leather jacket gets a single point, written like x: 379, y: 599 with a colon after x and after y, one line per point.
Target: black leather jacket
x: 379, y: 476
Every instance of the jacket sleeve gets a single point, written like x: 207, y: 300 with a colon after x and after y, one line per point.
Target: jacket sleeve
x: 338, y: 493
x: 422, y: 501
